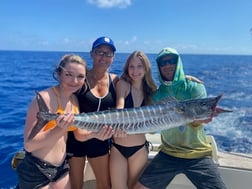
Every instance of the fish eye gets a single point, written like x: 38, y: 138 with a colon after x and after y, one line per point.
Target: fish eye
x: 203, y: 104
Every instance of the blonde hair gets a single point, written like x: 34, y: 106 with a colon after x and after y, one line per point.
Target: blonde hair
x: 68, y: 58
x: 149, y: 86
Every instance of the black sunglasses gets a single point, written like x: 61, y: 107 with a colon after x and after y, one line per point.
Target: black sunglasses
x: 99, y: 52
x: 162, y: 63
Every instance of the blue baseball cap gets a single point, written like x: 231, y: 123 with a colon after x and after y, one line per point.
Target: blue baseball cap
x: 104, y: 41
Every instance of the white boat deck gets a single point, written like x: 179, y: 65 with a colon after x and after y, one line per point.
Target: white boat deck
x: 235, y: 168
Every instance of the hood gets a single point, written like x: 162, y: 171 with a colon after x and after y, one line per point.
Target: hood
x: 179, y: 75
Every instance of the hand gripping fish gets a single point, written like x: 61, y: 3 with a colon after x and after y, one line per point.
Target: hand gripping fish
x: 168, y: 113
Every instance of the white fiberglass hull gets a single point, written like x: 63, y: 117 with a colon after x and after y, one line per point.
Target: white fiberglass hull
x: 235, y: 169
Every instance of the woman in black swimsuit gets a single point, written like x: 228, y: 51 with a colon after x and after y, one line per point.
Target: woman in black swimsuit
x: 97, y: 94
x: 129, y: 154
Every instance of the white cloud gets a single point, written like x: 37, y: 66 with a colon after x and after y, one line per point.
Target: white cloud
x: 110, y: 3
x: 133, y: 39
x: 129, y: 42
x: 146, y: 42
x: 44, y: 43
x: 67, y: 40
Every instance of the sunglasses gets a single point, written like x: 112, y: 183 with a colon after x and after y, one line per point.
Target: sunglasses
x: 99, y: 52
x: 172, y: 61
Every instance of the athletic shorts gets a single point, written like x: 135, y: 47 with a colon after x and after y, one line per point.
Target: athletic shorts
x: 91, y: 148
x: 202, y: 172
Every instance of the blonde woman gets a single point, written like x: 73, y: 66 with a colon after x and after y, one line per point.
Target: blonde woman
x: 45, y: 165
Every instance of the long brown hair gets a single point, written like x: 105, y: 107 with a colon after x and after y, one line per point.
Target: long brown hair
x: 149, y: 86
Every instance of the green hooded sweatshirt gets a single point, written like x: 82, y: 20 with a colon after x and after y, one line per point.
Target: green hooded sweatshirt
x: 185, y: 141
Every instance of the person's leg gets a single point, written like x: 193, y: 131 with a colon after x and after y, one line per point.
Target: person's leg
x: 76, y: 151
x: 118, y: 169
x: 100, y: 166
x: 136, y: 165
x: 204, y: 174
x: 62, y: 183
x: 76, y: 165
x: 139, y: 185
x: 159, y: 173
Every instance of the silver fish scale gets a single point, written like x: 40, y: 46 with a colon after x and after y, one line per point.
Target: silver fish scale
x: 165, y: 115
x: 131, y: 115
x: 133, y: 120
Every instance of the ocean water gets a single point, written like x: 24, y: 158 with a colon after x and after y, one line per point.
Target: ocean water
x: 23, y: 72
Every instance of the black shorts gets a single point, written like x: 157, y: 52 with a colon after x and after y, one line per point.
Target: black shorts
x: 91, y: 148
x: 34, y: 173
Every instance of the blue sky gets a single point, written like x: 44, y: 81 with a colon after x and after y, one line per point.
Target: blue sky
x: 190, y: 26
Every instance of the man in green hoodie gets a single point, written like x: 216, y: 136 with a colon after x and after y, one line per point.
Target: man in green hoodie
x: 184, y: 149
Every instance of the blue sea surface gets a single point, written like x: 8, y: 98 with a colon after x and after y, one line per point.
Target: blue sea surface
x: 23, y: 72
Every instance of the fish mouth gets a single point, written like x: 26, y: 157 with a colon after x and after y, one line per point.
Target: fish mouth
x: 217, y: 100
x: 217, y: 110
x: 221, y: 110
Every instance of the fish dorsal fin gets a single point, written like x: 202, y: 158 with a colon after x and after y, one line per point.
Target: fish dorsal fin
x: 167, y: 100
x: 41, y: 103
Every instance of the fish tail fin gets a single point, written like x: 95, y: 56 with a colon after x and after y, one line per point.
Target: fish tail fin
x: 40, y: 121
x: 41, y: 103
x: 39, y: 125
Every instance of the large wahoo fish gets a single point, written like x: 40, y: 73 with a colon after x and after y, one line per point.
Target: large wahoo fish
x: 167, y: 114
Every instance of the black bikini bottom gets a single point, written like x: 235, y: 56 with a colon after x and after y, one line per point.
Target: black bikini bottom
x: 128, y: 151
